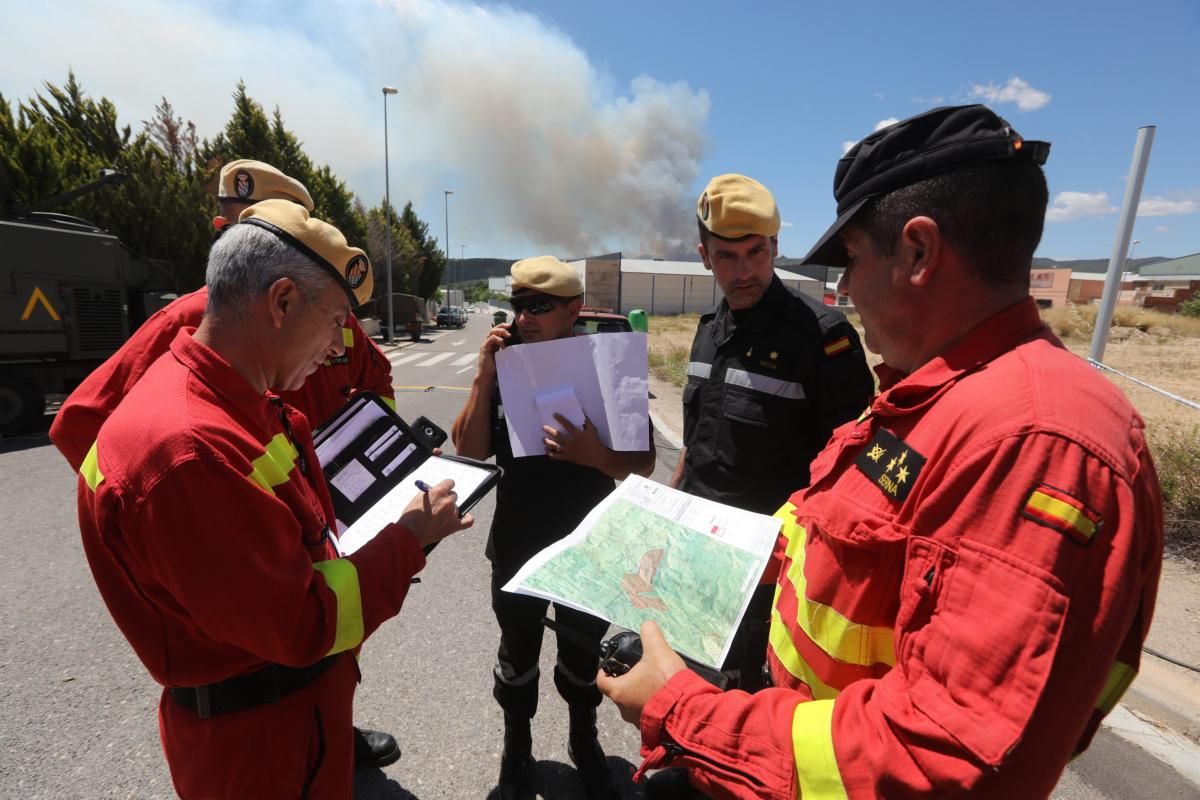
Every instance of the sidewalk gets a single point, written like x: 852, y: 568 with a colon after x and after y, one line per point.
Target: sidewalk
x: 1161, y: 711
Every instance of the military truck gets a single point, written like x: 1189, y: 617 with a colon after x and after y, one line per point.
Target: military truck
x: 70, y: 294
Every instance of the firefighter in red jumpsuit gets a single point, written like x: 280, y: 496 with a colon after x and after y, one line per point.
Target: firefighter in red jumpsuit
x: 964, y: 588
x: 362, y: 366
x: 205, y: 519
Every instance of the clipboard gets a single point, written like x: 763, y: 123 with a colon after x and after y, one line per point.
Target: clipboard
x: 372, y: 459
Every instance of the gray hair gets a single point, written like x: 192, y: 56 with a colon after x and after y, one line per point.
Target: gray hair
x: 244, y: 262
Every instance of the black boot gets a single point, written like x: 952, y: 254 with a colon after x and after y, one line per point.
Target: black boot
x: 516, y: 765
x: 584, y: 749
x: 374, y: 749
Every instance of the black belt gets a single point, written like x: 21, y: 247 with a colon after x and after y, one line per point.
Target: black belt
x: 259, y: 688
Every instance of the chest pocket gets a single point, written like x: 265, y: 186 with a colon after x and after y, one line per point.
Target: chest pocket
x: 755, y: 428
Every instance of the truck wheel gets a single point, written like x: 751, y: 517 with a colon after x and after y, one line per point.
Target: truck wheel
x: 21, y: 403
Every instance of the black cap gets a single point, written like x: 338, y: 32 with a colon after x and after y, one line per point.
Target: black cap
x: 912, y: 150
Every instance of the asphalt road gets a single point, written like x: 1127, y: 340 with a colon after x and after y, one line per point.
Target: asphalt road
x: 77, y: 710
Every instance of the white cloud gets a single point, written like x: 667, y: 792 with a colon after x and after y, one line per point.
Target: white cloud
x: 883, y: 123
x: 1070, y: 206
x: 785, y: 224
x: 935, y: 100
x: 1165, y: 207
x: 1161, y: 229
x: 1016, y: 91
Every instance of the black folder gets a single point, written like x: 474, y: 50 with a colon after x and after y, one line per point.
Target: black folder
x: 372, y: 460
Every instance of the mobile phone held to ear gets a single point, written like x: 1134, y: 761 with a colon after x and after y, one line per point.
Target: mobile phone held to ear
x: 430, y: 434
x: 514, y: 335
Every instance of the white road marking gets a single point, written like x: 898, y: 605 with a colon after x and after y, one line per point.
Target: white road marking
x: 467, y: 359
x: 404, y: 359
x: 435, y: 360
x: 465, y: 369
x: 460, y: 341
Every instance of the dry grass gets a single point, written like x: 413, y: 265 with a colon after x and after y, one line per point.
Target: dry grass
x: 1076, y: 323
x: 670, y: 345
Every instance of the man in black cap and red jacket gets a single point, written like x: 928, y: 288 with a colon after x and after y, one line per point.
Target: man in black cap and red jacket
x: 964, y: 587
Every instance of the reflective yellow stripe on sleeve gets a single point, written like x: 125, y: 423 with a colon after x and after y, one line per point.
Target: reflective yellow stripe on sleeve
x: 342, y: 577
x: 347, y: 337
x: 1119, y: 678
x: 389, y: 401
x: 842, y: 638
x: 812, y: 748
x: 90, y: 468
x: 272, y: 468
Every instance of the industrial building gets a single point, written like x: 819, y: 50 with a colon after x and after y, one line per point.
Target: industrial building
x: 662, y: 287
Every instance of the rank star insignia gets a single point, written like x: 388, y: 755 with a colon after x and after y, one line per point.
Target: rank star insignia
x: 774, y: 355
x: 748, y: 352
x: 896, y: 477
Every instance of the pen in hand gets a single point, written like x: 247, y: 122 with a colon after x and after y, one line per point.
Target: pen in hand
x: 423, y: 486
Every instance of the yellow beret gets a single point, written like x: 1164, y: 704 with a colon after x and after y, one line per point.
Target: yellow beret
x: 548, y: 275
x: 249, y: 181
x: 318, y: 240
x: 733, y: 206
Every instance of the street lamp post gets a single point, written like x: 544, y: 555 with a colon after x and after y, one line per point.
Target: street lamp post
x: 387, y: 215
x: 1132, y: 247
x: 447, y: 194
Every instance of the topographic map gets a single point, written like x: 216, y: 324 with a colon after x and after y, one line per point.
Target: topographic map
x: 636, y: 565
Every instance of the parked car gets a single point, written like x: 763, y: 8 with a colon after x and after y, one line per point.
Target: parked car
x: 600, y: 320
x: 451, y: 317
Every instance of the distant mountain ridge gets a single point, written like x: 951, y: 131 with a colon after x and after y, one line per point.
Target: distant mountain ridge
x: 1096, y: 265
x: 480, y: 269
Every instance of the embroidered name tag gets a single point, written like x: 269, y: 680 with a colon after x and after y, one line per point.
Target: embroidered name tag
x: 891, y: 465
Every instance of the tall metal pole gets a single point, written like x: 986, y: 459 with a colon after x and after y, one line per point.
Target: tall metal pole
x: 461, y: 250
x: 447, y: 194
x: 387, y: 217
x: 1116, y: 262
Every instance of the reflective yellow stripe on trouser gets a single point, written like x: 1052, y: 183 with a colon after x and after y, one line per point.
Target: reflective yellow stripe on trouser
x: 342, y: 577
x: 812, y: 748
x: 1119, y: 678
x: 390, y: 402
x: 90, y: 468
x: 272, y: 468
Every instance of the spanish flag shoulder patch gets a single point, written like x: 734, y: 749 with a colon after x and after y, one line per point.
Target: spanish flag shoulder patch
x: 1059, y: 511
x: 837, y: 346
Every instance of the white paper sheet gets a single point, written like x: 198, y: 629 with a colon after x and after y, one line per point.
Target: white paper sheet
x: 467, y: 479
x: 607, y: 373
x: 560, y: 401
x: 352, y: 480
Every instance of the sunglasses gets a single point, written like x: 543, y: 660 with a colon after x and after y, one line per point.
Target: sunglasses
x: 535, y: 305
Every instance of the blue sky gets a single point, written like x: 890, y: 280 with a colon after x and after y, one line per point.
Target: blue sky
x: 572, y: 127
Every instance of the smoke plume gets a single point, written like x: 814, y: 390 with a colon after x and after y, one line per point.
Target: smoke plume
x: 540, y: 143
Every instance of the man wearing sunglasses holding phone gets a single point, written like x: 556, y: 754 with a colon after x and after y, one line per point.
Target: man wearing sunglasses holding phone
x: 540, y: 500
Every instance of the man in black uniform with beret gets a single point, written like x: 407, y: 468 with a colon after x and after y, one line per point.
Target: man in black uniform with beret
x: 541, y: 499
x: 772, y: 372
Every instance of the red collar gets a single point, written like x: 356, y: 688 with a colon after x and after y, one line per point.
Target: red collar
x: 998, y: 334
x: 217, y: 373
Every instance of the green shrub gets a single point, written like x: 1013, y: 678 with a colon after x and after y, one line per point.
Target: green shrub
x: 669, y: 362
x: 1177, y: 458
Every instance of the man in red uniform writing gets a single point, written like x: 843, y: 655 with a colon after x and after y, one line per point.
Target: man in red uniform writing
x: 964, y: 587
x: 360, y: 367
x: 206, y: 520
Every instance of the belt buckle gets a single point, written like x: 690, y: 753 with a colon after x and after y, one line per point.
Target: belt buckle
x: 203, y: 702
